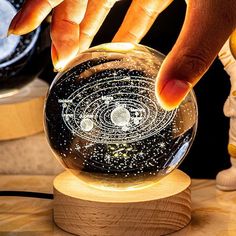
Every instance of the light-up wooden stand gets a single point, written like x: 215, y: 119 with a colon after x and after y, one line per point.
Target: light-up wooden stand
x: 156, y: 210
x: 22, y: 113
x: 21, y: 132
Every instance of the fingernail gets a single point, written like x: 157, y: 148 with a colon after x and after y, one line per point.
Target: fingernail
x: 55, y: 59
x: 173, y: 93
x: 60, y: 62
x: 9, y: 32
x: 13, y: 25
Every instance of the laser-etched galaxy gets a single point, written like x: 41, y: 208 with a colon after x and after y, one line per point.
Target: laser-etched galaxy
x: 104, y: 123
x: 115, y: 109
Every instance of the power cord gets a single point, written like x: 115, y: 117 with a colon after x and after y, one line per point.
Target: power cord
x: 26, y: 194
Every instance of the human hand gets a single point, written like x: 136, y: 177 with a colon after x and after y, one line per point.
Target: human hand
x: 208, y: 24
x: 74, y: 24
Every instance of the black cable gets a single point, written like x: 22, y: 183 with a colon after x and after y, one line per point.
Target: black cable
x: 26, y: 194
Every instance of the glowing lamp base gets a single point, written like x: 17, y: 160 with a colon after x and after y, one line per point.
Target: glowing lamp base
x: 21, y: 111
x: 162, y: 208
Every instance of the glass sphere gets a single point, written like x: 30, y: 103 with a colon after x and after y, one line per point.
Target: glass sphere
x: 21, y: 57
x: 104, y: 123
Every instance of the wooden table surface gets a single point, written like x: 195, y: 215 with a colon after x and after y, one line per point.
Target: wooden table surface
x: 213, y: 211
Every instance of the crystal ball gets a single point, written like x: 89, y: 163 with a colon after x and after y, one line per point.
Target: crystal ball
x: 103, y: 121
x: 21, y: 57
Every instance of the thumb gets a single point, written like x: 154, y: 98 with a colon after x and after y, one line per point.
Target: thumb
x: 207, y: 25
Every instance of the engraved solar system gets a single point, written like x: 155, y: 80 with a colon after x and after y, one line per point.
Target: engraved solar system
x: 104, y: 123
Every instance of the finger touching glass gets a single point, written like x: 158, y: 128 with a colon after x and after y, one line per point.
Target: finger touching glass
x: 205, y: 30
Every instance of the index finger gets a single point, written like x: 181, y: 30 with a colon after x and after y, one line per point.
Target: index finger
x: 31, y: 15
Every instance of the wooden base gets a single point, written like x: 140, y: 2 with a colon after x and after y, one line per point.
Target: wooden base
x: 22, y: 113
x: 160, y: 209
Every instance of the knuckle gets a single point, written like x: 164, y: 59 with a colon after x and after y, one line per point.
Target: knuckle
x: 51, y: 3
x: 70, y: 22
x: 132, y: 37
x: 86, y: 34
x: 150, y: 11
x: 108, y: 4
x: 196, y: 64
x: 228, y: 13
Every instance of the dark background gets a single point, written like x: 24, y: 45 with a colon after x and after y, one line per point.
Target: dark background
x: 208, y: 154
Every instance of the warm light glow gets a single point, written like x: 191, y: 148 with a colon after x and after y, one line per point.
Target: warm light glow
x: 119, y: 46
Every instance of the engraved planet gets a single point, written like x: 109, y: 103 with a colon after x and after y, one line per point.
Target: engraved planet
x: 120, y: 116
x: 86, y: 124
